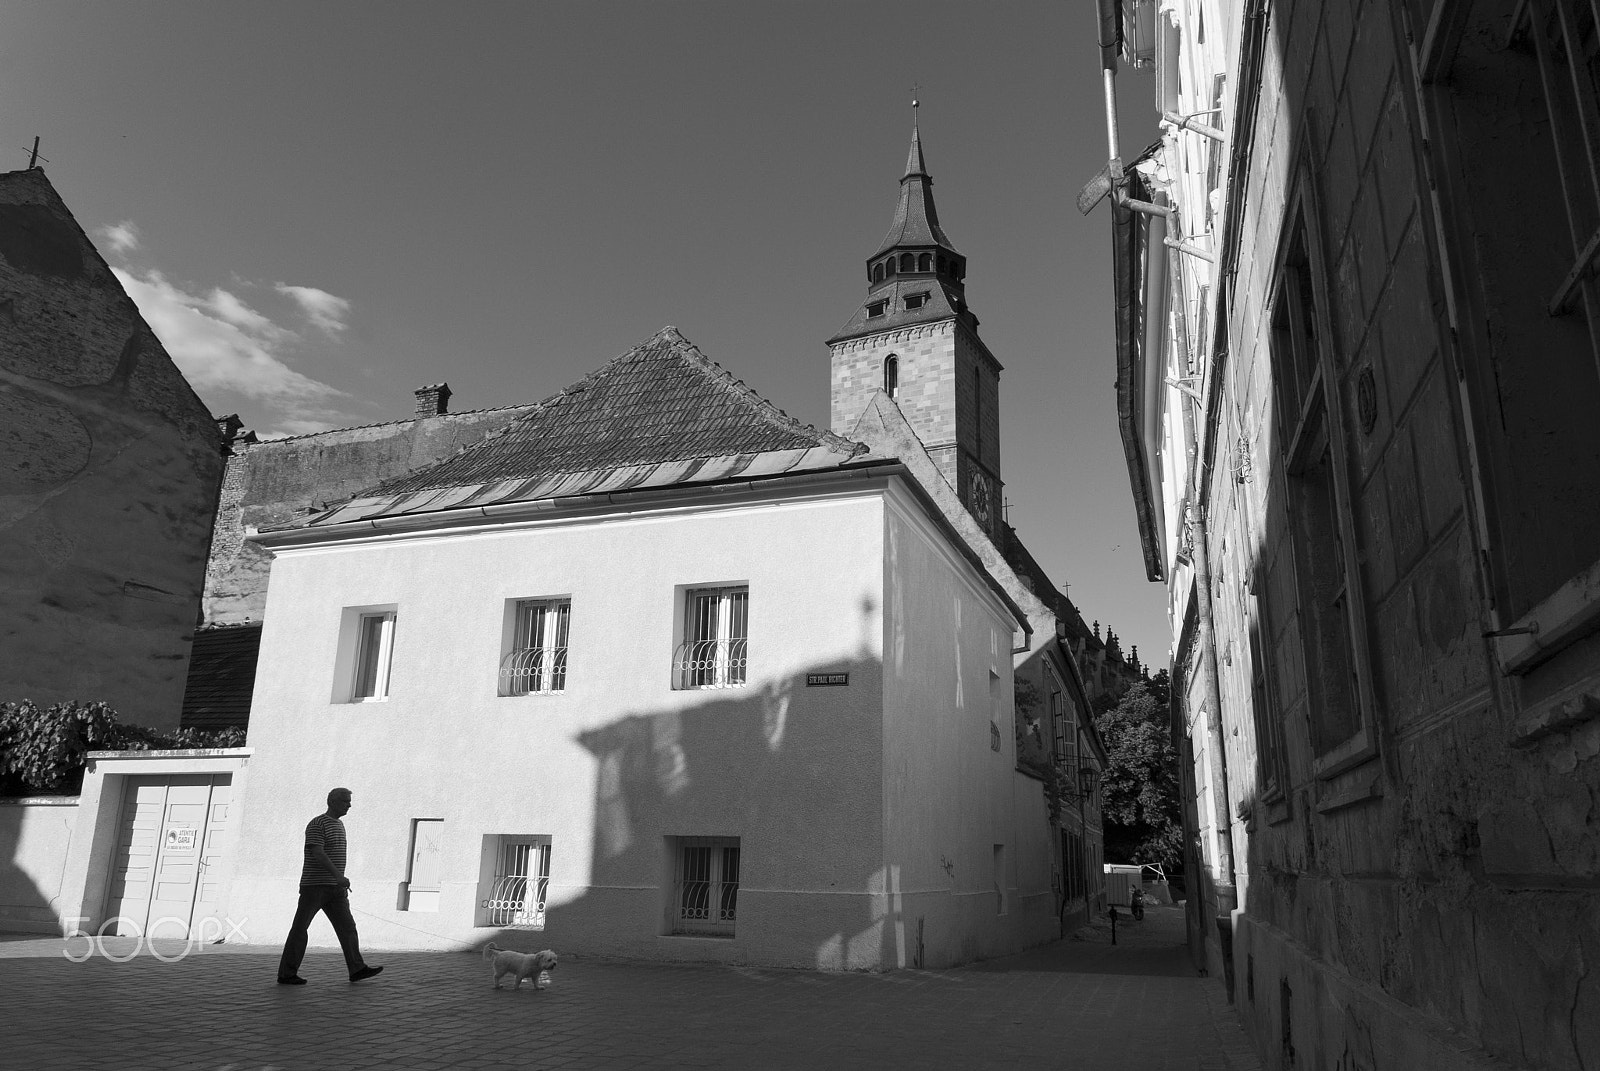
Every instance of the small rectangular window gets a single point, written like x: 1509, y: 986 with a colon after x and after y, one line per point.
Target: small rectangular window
x: 374, y: 652
x: 715, y: 646
x: 915, y: 301
x: 424, y: 874
x: 519, y: 883
x: 876, y: 308
x: 536, y: 663
x: 705, y: 890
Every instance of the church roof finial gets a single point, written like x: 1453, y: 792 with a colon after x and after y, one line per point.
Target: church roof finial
x: 914, y: 163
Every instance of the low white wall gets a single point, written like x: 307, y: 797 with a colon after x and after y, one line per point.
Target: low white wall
x: 35, y: 835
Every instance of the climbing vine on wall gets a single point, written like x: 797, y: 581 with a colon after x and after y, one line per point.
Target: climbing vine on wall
x: 43, y: 750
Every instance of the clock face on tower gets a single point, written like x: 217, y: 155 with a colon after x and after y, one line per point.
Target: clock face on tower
x: 980, y: 498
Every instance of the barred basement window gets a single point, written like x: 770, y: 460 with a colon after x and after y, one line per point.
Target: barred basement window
x: 521, y: 882
x: 705, y: 890
x: 715, y: 644
x: 537, y: 661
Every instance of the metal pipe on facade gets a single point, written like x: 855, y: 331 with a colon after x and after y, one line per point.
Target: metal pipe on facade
x: 1191, y: 250
x: 1110, y: 13
x: 1210, y: 682
x: 1188, y: 122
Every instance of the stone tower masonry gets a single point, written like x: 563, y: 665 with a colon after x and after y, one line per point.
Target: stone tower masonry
x: 914, y: 338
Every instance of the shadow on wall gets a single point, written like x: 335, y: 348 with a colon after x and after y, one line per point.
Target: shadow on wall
x: 790, y: 778
x: 33, y: 844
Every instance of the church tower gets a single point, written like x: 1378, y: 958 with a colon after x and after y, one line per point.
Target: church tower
x: 915, y: 339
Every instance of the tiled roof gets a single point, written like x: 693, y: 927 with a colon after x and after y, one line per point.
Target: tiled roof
x: 663, y: 414
x: 661, y: 401
x: 222, y: 674
x: 943, y: 303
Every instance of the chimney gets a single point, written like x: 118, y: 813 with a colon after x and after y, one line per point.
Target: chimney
x: 433, y: 400
x: 230, y: 434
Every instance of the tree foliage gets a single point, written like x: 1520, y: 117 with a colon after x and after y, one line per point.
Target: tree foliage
x: 43, y: 750
x: 1140, y: 788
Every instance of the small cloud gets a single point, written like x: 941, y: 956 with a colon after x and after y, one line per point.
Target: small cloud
x: 229, y: 307
x: 221, y: 344
x: 323, y: 309
x: 122, y: 238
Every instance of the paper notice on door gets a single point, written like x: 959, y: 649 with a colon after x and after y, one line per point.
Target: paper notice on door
x: 181, y: 840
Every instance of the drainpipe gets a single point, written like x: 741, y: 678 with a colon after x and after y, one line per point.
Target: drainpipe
x: 1227, y: 887
x: 1210, y: 683
x: 1109, y: 13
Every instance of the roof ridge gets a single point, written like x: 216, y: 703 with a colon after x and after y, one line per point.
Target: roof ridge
x: 766, y: 409
x: 384, y: 423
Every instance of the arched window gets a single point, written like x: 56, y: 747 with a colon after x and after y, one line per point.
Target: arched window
x: 877, y: 273
x: 925, y: 262
x: 888, y: 266
x: 891, y: 375
x: 907, y: 262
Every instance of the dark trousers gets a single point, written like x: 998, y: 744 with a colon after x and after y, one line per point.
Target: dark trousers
x: 333, y: 901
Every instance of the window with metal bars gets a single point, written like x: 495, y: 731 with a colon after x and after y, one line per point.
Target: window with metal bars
x: 1510, y: 95
x: 521, y: 883
x: 537, y: 661
x: 715, y: 648
x: 705, y: 892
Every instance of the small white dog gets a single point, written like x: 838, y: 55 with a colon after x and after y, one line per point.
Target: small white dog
x: 521, y: 964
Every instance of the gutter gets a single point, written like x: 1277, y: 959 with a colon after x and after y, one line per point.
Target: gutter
x: 1132, y: 234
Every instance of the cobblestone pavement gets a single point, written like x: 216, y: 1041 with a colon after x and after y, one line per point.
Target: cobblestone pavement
x: 1079, y: 1004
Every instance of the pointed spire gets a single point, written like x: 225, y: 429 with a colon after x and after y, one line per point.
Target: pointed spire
x: 914, y: 163
x: 916, y: 275
x: 916, y: 220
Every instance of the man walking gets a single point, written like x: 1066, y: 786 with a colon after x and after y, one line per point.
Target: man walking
x: 323, y: 887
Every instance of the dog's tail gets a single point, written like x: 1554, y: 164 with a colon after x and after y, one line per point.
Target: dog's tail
x: 490, y: 949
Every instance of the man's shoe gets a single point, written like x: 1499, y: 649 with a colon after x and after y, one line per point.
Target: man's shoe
x: 293, y: 979
x: 364, y: 973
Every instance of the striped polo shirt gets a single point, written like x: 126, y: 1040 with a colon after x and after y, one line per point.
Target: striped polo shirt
x: 327, y: 833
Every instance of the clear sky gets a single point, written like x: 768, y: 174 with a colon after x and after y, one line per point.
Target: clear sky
x: 322, y: 206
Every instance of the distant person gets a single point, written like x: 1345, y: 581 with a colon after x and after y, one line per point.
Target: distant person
x: 324, y: 888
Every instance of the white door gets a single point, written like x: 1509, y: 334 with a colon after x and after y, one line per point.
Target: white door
x: 171, y: 838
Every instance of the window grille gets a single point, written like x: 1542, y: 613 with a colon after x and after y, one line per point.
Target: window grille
x: 1563, y: 35
x: 706, y: 893
x: 715, y: 644
x: 374, y: 652
x: 521, y: 883
x: 537, y: 661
